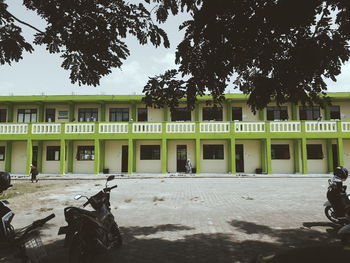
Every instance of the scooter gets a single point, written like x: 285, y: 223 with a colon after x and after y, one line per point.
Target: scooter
x: 25, y: 243
x: 90, y: 233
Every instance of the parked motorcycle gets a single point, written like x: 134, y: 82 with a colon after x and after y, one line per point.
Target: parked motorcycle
x: 24, y: 243
x: 89, y: 233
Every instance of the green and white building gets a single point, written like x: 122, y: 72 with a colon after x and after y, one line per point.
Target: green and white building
x: 114, y: 134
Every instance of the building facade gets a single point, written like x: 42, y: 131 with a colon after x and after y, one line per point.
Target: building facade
x: 118, y: 134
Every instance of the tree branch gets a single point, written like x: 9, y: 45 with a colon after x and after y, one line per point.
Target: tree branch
x: 318, y: 23
x: 22, y: 22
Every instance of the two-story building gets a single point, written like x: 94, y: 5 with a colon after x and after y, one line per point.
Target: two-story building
x: 114, y: 134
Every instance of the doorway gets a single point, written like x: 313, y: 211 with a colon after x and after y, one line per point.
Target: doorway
x: 125, y: 158
x: 335, y: 155
x: 35, y: 156
x: 239, y: 158
x: 181, y: 157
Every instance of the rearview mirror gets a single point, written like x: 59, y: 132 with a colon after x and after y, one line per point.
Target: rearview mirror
x: 110, y: 178
x: 77, y: 197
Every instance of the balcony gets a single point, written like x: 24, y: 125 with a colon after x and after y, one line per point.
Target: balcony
x: 238, y: 127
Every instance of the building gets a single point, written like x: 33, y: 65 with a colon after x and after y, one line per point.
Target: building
x: 95, y: 134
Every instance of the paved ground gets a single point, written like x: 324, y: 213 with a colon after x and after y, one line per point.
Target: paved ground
x: 198, y: 220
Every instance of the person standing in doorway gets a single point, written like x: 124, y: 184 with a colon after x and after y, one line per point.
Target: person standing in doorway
x: 188, y: 166
x: 34, y: 173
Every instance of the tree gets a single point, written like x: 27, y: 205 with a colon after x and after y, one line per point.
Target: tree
x: 270, y: 49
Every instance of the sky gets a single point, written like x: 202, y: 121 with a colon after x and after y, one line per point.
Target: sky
x: 40, y: 73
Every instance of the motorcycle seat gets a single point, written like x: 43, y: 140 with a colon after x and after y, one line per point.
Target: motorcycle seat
x: 76, y: 210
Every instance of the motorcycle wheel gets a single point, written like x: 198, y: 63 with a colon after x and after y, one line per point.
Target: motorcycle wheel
x: 78, y: 253
x: 117, y: 235
x: 329, y: 211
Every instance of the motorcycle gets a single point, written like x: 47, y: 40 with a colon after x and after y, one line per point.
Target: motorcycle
x: 24, y: 243
x: 89, y: 233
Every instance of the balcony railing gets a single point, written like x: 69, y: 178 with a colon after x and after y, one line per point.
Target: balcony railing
x: 175, y: 127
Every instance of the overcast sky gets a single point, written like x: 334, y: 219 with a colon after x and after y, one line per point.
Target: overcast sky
x: 40, y: 72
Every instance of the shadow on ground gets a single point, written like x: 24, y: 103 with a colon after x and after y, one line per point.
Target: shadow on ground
x: 293, y: 245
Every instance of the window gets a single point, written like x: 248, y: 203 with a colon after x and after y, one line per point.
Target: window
x: 26, y: 115
x: 2, y: 153
x: 335, y: 113
x: 309, y: 112
x: 280, y: 152
x: 142, y: 114
x: 87, y: 114
x: 53, y: 153
x: 63, y: 115
x: 277, y: 113
x: 3, y: 115
x: 150, y: 152
x: 237, y: 113
x: 50, y: 115
x: 314, y: 151
x: 212, y: 114
x: 86, y: 153
x: 119, y: 114
x: 213, y: 151
x: 180, y: 114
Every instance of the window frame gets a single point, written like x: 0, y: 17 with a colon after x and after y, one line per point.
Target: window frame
x: 240, y: 113
x: 145, y: 113
x: 3, y: 115
x: 212, y: 114
x: 337, y: 112
x: 183, y: 112
x: 210, y: 152
x: 276, y: 150
x: 51, y: 114
x: 82, y: 112
x: 278, y: 112
x: 3, y: 153
x: 154, y: 153
x: 115, y: 112
x: 312, y: 110
x: 319, y: 152
x: 80, y: 152
x: 33, y: 115
x: 50, y: 156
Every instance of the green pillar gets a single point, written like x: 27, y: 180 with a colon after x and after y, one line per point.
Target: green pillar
x: 261, y: 114
x: 41, y: 112
x: 196, y: 112
x: 198, y: 156
x: 263, y: 156
x: 164, y: 157
x: 296, y: 156
x: 304, y: 156
x: 131, y: 156
x: 327, y: 112
x: 329, y: 156
x: 29, y: 155
x: 294, y: 112
x: 268, y: 156
x: 62, y: 156
x: 134, y: 158
x: 70, y: 157
x: 340, y: 149
x: 97, y: 157
x: 133, y: 112
x: 40, y: 156
x: 229, y: 110
x: 165, y: 113
x: 102, y: 154
x: 10, y: 113
x: 71, y: 112
x: 103, y: 112
x: 232, y: 156
x: 8, y: 156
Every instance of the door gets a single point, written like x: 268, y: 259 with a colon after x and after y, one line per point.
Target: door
x: 335, y: 155
x: 125, y: 158
x: 239, y: 158
x: 181, y: 157
x: 35, y: 156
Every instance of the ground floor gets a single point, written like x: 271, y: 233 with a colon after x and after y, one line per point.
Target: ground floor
x: 270, y: 156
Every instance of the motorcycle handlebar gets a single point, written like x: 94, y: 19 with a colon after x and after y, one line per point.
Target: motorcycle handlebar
x: 115, y: 186
x: 86, y: 203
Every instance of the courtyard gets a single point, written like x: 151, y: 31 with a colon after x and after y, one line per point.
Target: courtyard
x: 195, y: 219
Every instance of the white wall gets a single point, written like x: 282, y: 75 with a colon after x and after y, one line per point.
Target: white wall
x: 214, y: 166
x: 247, y: 114
x: 172, y: 159
x: 113, y: 155
x: 283, y: 166
x: 318, y: 166
x: 346, y: 146
x: 82, y: 166
x: 344, y: 110
x: 50, y: 167
x: 252, y: 154
x: 19, y: 157
x: 148, y: 166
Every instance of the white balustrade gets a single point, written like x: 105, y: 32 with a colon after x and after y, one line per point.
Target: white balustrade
x: 181, y: 127
x: 13, y: 128
x: 113, y: 127
x: 249, y: 126
x: 146, y: 127
x: 285, y: 126
x: 320, y: 126
x: 218, y: 127
x: 345, y: 126
x: 47, y: 128
x: 79, y: 128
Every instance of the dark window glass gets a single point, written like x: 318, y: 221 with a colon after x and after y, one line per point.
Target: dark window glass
x: 180, y: 114
x: 237, y: 113
x: 280, y: 151
x: 213, y: 151
x: 277, y: 113
x: 88, y: 115
x: 335, y: 113
x: 142, y: 114
x: 314, y: 151
x: 309, y: 112
x: 119, y: 114
x: 2, y: 153
x: 86, y: 153
x: 50, y: 115
x: 3, y: 115
x: 150, y: 152
x: 53, y: 153
x: 212, y: 114
x: 26, y: 115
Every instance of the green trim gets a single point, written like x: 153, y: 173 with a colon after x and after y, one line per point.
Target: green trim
x: 198, y: 156
x: 29, y: 155
x: 70, y: 157
x: 294, y: 111
x: 71, y: 113
x: 196, y: 112
x: 296, y: 156
x: 103, y: 112
x: 8, y: 156
x: 340, y: 149
x: 165, y: 113
x: 263, y: 155
x: 131, y: 156
x: 103, y: 155
x: 261, y: 114
x: 327, y: 112
x: 133, y: 111
x: 229, y: 110
x: 268, y: 156
x: 10, y: 113
x: 97, y: 156
x: 304, y: 156
x: 62, y: 156
x: 232, y: 156
x: 40, y: 156
x: 329, y: 155
x: 41, y: 112
x: 164, y: 153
